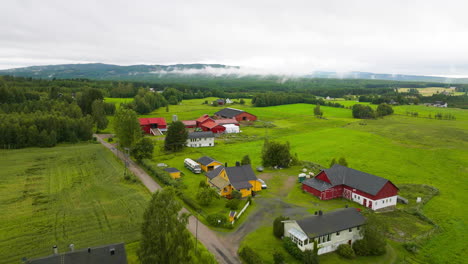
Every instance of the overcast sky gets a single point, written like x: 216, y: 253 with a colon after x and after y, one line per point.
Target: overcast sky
x: 409, y: 37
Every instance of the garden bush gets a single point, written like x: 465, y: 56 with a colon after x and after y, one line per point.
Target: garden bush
x: 278, y: 257
x: 292, y: 248
x: 360, y: 248
x: 233, y: 204
x: 278, y: 226
x: 250, y: 256
x: 346, y: 251
x: 217, y: 220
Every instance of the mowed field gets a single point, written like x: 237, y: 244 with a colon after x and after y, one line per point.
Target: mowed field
x: 62, y: 195
x: 401, y: 148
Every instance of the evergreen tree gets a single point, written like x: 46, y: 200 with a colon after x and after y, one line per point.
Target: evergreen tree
x: 176, y: 137
x: 245, y: 160
x: 99, y: 114
x: 126, y: 126
x: 278, y: 226
x: 165, y: 238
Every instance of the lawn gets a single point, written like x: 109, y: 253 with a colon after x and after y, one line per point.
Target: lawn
x: 62, y: 195
x: 401, y: 148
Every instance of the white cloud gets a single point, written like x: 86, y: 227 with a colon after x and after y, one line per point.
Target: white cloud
x: 409, y: 37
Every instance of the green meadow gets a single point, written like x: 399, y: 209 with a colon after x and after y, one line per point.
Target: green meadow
x: 63, y: 195
x: 401, y: 148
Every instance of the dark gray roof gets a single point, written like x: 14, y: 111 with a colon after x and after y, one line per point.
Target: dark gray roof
x: 212, y: 174
x: 97, y: 255
x: 207, y: 134
x: 317, y: 184
x: 239, y: 176
x: 170, y: 170
x: 205, y: 160
x: 359, y: 180
x: 335, y: 221
x: 229, y: 112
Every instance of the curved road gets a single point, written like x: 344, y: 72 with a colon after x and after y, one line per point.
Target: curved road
x: 223, y: 250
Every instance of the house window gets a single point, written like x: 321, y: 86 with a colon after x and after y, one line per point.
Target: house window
x: 328, y: 238
x: 337, y: 233
x: 350, y: 230
x: 358, y: 228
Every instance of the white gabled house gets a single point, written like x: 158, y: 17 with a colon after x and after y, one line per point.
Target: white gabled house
x: 342, y: 226
x: 200, y: 139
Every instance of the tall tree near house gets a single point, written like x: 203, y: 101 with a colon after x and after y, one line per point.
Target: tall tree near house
x: 126, y: 126
x: 99, y: 114
x: 176, y: 137
x: 165, y: 238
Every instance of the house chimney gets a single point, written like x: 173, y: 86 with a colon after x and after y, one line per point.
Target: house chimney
x: 174, y: 118
x: 55, y: 249
x: 225, y: 164
x: 112, y: 251
x: 320, y: 212
x: 89, y: 250
x: 237, y: 163
x: 316, y: 213
x: 72, y: 247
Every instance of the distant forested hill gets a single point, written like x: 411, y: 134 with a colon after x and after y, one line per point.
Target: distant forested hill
x: 188, y: 73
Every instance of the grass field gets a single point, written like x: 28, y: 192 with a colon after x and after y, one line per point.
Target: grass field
x: 62, y: 195
x: 428, y: 91
x: 401, y: 148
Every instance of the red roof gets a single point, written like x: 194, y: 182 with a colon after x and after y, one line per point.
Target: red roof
x: 152, y: 120
x: 210, y: 124
x: 189, y: 122
x: 203, y: 118
x: 226, y: 121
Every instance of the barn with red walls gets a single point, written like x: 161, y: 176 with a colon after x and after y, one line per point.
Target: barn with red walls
x: 147, y: 124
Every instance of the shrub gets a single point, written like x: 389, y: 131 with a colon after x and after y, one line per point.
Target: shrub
x: 278, y: 257
x: 110, y: 139
x: 292, y: 248
x: 217, y: 220
x: 346, y: 251
x: 235, y: 194
x: 162, y: 176
x: 232, y: 204
x: 250, y: 256
x: 360, y: 248
x: 190, y: 202
x: 411, y: 247
x: 278, y: 226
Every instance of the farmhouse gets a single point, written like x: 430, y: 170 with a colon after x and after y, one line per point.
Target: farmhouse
x: 173, y: 172
x: 208, y: 164
x: 240, y: 177
x: 200, y: 139
x: 366, y: 189
x: 153, y: 125
x: 237, y: 114
x: 108, y: 254
x: 329, y: 230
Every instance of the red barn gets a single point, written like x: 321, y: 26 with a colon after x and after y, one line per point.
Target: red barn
x: 153, y: 125
x: 360, y: 187
x: 211, y: 125
x: 202, y: 119
x: 237, y: 114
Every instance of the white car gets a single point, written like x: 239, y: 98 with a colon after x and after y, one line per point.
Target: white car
x: 264, y: 186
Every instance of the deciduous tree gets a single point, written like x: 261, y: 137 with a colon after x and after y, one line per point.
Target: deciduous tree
x: 143, y: 149
x: 126, y: 126
x: 99, y: 114
x: 176, y: 137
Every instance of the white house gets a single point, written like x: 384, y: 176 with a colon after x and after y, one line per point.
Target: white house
x: 342, y: 226
x: 200, y: 139
x: 231, y: 128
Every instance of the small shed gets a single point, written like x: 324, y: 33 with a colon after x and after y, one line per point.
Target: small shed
x: 173, y: 172
x: 301, y: 177
x: 231, y: 128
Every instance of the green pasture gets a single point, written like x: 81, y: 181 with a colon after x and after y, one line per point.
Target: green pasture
x: 63, y: 195
x: 401, y: 148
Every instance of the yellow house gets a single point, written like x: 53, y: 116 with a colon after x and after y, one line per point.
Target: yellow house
x: 208, y: 164
x: 240, y: 177
x: 173, y: 172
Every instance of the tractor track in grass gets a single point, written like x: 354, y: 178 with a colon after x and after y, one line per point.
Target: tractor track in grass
x: 221, y: 247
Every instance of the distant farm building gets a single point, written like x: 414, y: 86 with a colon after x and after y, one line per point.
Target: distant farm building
x: 219, y: 102
x: 189, y: 123
x: 173, y: 172
x: 211, y: 125
x: 239, y: 115
x: 329, y: 230
x: 200, y: 139
x: 240, y: 177
x: 366, y: 189
x: 108, y: 254
x: 153, y: 125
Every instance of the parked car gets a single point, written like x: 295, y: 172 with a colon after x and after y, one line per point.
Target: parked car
x: 264, y: 186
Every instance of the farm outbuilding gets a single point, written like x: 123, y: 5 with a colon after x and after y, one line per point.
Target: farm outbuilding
x: 231, y: 129
x: 173, y: 172
x: 239, y: 115
x: 366, y: 189
x: 153, y: 125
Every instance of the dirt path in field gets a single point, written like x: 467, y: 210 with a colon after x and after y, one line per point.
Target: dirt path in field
x: 224, y: 250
